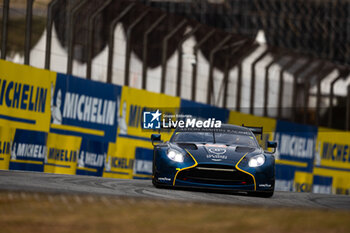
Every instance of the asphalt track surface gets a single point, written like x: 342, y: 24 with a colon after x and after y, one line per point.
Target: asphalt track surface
x: 69, y: 184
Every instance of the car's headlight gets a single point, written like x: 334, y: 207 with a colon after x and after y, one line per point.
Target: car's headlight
x: 175, y: 155
x: 257, y: 161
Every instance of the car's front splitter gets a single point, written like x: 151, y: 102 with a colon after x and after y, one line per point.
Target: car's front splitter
x: 188, y: 184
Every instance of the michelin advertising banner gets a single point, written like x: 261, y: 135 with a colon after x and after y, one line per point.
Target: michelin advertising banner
x: 84, y: 108
x: 119, y: 165
x: 25, y: 96
x: 28, y: 151
x: 332, y: 162
x: 6, y: 139
x: 295, y: 153
x: 92, y: 157
x: 62, y: 154
x: 70, y: 125
x: 131, y: 156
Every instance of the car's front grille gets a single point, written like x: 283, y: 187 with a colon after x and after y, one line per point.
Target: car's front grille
x: 215, y: 174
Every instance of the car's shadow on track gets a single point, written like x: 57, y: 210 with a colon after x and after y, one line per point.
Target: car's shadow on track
x: 215, y: 191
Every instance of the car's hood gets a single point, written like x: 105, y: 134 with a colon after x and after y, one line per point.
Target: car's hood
x: 219, y: 153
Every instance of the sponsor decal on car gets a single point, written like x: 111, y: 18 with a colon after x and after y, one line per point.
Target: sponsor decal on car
x: 265, y: 185
x: 218, y: 151
x: 216, y: 157
x: 164, y: 179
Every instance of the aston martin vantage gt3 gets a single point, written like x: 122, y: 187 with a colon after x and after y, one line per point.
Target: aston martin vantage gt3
x: 225, y: 158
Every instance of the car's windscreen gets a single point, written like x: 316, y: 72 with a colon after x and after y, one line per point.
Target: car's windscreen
x: 210, y: 137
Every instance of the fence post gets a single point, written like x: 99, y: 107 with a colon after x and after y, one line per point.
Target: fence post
x: 318, y: 96
x: 90, y: 41
x: 227, y: 67
x: 179, y: 60
x: 347, y: 118
x: 252, y: 81
x: 5, y: 17
x: 266, y: 86
x: 71, y: 24
x: 128, y: 49
x: 210, y: 89
x: 165, y: 51
x: 331, y: 97
x: 111, y: 41
x: 145, y: 51
x: 194, y: 68
x: 281, y: 85
x: 49, y: 24
x: 28, y: 35
x: 239, y: 84
x: 308, y: 78
x: 296, y: 75
x: 343, y: 73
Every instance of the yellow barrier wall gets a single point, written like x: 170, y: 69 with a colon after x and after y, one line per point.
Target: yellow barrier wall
x: 25, y: 99
x: 333, y: 158
x: 25, y: 94
x: 62, y: 154
x: 6, y: 138
x: 122, y: 162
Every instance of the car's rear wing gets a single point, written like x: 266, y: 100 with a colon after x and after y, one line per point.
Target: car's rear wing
x: 255, y: 130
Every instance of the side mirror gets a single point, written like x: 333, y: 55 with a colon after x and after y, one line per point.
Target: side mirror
x: 155, y: 138
x: 271, y: 144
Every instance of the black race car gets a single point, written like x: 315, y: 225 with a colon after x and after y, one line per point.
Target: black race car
x: 226, y: 158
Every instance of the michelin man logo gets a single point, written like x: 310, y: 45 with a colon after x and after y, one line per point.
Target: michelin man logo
x: 123, y: 127
x: 277, y: 139
x: 108, y: 163
x: 56, y: 109
x: 317, y: 161
x: 13, y: 152
x: 81, y: 162
x: 151, y: 120
x: 45, y: 158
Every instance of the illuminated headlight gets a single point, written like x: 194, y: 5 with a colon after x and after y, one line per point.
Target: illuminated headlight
x: 257, y: 161
x: 175, y: 155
